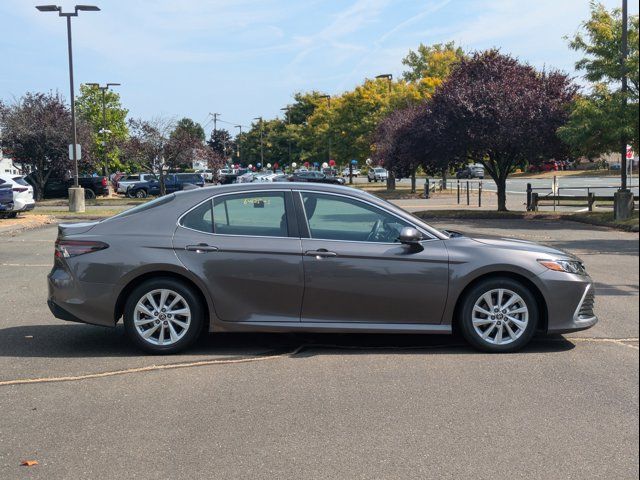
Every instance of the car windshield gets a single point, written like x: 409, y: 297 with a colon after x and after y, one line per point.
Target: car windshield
x: 380, y: 170
x: 20, y: 181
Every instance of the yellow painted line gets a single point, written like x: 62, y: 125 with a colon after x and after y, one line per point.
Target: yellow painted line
x: 618, y: 341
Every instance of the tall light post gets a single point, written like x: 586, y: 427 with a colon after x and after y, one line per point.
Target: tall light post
x: 239, y: 127
x: 391, y: 181
x: 288, y: 116
x: 623, y: 200
x: 76, y: 197
x: 328, y: 98
x: 103, y: 89
x: 261, y: 142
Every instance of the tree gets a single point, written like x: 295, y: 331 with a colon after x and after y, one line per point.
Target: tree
x: 598, y: 120
x: 410, y: 138
x: 431, y: 64
x: 105, y: 144
x: 192, y: 130
x: 504, y: 113
x: 221, y: 143
x: 161, y: 145
x: 36, y: 132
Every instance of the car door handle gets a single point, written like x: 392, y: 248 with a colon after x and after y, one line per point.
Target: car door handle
x: 201, y: 248
x: 321, y: 253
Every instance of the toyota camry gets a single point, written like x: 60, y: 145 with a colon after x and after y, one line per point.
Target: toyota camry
x: 307, y: 257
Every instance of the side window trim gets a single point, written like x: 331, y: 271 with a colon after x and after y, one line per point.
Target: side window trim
x: 307, y: 229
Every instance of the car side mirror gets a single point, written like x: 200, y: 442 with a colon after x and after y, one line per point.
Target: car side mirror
x: 410, y: 236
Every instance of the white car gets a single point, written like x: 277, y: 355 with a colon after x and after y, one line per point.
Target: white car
x: 377, y: 174
x: 125, y: 182
x: 22, y: 193
x: 355, y: 172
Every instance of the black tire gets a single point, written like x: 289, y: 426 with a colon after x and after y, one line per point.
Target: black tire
x: 89, y: 194
x: 191, y: 299
x: 465, y: 314
x: 140, y: 193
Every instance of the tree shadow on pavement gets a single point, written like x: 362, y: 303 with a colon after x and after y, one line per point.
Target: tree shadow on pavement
x: 78, y: 341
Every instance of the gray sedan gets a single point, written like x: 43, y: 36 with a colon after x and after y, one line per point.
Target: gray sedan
x: 307, y: 257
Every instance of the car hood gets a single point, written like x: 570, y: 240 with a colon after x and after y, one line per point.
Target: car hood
x: 523, y: 245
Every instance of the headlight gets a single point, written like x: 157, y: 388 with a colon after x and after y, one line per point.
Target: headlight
x: 569, y: 266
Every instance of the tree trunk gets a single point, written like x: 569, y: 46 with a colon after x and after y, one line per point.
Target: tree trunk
x: 163, y: 188
x: 444, y: 178
x: 501, y: 183
x: 413, y: 180
x: 391, y: 181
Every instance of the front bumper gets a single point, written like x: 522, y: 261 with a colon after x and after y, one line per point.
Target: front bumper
x: 570, y: 302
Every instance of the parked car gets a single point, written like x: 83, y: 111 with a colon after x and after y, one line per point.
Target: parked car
x: 208, y: 175
x: 544, y: 167
x: 471, y: 171
x: 125, y: 182
x: 173, y: 183
x: 377, y: 174
x: 22, y: 193
x: 6, y: 200
x: 206, y: 258
x: 57, y: 187
x: 315, y: 177
x: 355, y: 172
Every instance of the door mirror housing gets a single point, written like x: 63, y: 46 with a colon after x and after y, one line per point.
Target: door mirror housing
x: 410, y: 236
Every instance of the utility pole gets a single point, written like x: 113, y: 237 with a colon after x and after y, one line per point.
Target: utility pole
x: 76, y: 195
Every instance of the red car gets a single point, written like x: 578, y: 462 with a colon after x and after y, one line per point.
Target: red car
x: 544, y: 167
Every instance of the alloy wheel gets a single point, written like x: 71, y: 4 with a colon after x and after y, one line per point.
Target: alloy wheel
x: 162, y: 317
x: 500, y: 316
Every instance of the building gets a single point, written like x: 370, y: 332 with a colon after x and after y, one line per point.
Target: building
x: 7, y: 167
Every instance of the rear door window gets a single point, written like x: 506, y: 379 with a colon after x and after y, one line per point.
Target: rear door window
x: 261, y: 214
x: 200, y: 218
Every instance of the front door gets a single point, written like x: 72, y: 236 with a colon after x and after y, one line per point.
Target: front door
x: 246, y: 248
x: 356, y: 271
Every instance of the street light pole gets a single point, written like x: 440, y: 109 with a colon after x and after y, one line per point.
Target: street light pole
x: 625, y: 53
x: 261, y: 143
x: 288, y: 114
x: 328, y: 97
x: 391, y: 181
x: 238, y: 142
x: 105, y: 131
x: 79, y: 204
x: 623, y: 204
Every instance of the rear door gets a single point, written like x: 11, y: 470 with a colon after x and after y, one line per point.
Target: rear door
x: 356, y: 271
x: 246, y: 248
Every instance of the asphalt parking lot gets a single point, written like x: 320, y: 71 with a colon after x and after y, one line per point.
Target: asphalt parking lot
x: 322, y: 406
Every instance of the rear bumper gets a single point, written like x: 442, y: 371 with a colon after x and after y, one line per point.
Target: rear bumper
x: 77, y: 301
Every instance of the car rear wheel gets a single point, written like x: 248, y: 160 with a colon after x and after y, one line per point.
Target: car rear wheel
x: 163, y: 316
x: 89, y: 194
x: 140, y: 194
x: 498, y: 315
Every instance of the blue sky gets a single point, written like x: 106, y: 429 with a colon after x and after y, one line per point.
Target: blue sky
x: 245, y: 58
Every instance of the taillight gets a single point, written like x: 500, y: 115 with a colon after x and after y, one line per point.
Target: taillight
x: 20, y: 189
x: 104, y: 181
x: 73, y: 248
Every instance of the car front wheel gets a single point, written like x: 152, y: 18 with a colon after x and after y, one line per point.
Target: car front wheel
x: 163, y: 316
x: 498, y: 315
